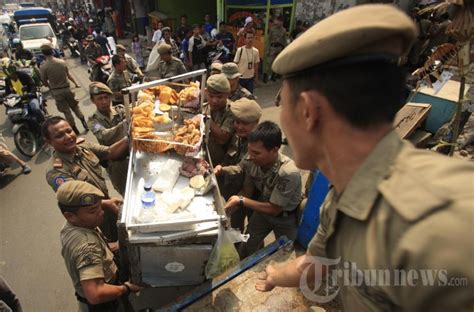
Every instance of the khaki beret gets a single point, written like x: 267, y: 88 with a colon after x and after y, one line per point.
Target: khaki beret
x: 164, y: 48
x: 246, y: 110
x: 216, y: 66
x: 78, y: 193
x: 90, y: 38
x: 362, y: 33
x: 231, y: 70
x: 218, y: 83
x: 120, y: 47
x: 96, y: 88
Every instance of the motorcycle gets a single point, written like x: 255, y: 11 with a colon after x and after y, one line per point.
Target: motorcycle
x: 73, y: 46
x: 26, y: 129
x: 101, y: 69
x: 29, y: 67
x: 218, y: 53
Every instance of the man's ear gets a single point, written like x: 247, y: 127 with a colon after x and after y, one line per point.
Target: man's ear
x: 70, y: 217
x: 309, y: 108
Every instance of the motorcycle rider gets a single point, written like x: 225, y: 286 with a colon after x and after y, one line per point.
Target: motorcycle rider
x: 22, y: 84
x: 21, y: 53
x: 93, y: 50
x: 132, y: 65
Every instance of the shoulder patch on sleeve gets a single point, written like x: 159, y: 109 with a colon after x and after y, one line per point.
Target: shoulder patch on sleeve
x: 97, y: 127
x: 58, y: 181
x: 282, y: 184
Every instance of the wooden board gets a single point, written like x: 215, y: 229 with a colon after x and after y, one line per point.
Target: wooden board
x: 409, y: 117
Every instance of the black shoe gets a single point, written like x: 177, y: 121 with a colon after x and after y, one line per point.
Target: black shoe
x: 74, y: 128
x: 265, y: 78
x: 272, y: 77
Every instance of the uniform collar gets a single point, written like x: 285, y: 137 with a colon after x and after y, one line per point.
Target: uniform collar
x: 362, y: 190
x: 113, y: 113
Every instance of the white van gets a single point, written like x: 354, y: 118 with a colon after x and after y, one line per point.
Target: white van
x: 33, y: 36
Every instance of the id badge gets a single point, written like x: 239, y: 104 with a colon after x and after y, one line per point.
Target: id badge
x: 250, y: 65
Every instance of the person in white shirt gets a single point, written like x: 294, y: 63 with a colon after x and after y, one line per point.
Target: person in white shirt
x: 248, y: 60
x: 157, y: 34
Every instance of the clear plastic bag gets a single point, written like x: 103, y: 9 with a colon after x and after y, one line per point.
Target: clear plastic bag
x: 224, y: 255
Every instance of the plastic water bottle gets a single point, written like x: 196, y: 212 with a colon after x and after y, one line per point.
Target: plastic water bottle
x: 148, y: 197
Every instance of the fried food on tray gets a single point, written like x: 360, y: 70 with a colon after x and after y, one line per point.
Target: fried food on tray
x: 189, y: 94
x: 188, y: 134
x: 163, y: 119
x: 158, y: 145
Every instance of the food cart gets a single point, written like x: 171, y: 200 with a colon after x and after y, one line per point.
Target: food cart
x: 169, y: 244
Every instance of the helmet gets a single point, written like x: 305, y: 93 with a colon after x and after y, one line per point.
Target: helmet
x: 5, y: 62
x: 70, y: 20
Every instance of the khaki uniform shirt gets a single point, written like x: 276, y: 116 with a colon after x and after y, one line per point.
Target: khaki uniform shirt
x: 241, y: 92
x: 236, y: 151
x: 117, y: 82
x: 109, y: 130
x: 280, y: 185
x: 404, y: 209
x: 172, y: 68
x: 225, y: 120
x: 54, y: 72
x: 132, y: 65
x: 277, y: 35
x: 83, y: 165
x: 87, y: 256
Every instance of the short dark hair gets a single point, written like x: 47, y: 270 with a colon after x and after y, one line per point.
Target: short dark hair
x: 364, y: 94
x: 249, y: 32
x: 71, y: 209
x: 184, y: 15
x: 116, y: 59
x: 196, y: 26
x: 267, y: 132
x: 51, y: 121
x: 47, y: 51
x: 222, y: 23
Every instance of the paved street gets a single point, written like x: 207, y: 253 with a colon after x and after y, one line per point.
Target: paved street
x: 30, y: 220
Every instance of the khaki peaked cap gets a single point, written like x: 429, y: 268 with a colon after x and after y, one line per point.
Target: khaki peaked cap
x: 218, y: 83
x: 78, y: 193
x: 364, y: 30
x: 246, y: 110
x: 96, y: 88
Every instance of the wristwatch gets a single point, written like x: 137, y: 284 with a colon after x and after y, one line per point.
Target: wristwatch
x: 241, y: 201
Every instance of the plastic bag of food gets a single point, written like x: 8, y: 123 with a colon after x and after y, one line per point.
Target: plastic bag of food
x: 168, y: 176
x: 223, y: 255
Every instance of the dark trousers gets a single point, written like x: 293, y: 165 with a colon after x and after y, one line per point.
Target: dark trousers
x: 247, y: 84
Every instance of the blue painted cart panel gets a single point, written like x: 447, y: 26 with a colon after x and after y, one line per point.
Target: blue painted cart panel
x: 442, y: 110
x: 310, y: 219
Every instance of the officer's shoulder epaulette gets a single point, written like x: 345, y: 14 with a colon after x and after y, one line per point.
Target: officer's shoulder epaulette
x: 57, y: 163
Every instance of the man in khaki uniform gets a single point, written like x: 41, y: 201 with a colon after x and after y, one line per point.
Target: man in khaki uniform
x: 271, y: 188
x: 131, y: 65
x: 88, y: 257
x: 77, y: 159
x: 247, y: 114
x: 231, y: 71
x: 119, y: 79
x: 392, y: 210
x: 109, y: 125
x: 169, y: 65
x: 55, y: 75
x: 93, y: 49
x: 222, y: 119
x: 277, y: 38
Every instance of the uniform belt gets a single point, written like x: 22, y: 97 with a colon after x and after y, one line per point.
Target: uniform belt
x: 286, y: 213
x: 101, y: 307
x: 59, y: 88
